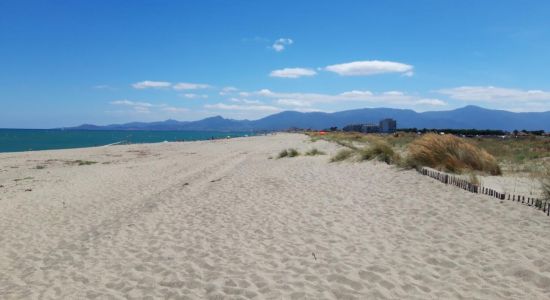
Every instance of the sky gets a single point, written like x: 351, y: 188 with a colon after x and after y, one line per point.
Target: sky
x: 65, y: 63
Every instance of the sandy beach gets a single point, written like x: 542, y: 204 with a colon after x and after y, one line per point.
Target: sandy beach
x: 221, y: 220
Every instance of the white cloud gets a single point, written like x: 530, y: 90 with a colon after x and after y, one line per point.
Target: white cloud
x: 131, y: 103
x: 356, y: 93
x: 265, y: 92
x: 246, y: 101
x: 353, y: 97
x: 292, y: 72
x: 138, y: 107
x: 394, y: 93
x: 431, y: 102
x: 146, y: 107
x: 293, y: 102
x: 370, y: 67
x: 280, y: 44
x: 224, y: 106
x: 195, y: 96
x: 228, y: 90
x: 495, y: 94
x: 306, y: 109
x: 174, y: 109
x: 190, y: 86
x: 147, y: 84
x: 103, y: 87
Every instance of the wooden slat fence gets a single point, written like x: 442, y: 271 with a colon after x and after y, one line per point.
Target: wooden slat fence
x: 539, y: 204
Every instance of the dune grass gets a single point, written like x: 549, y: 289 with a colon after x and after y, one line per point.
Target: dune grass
x: 342, y: 155
x: 450, y: 153
x: 291, y: 152
x: 314, y: 151
x: 346, y: 139
x: 379, y: 150
x: 545, y: 183
x: 283, y: 153
x: 518, y: 149
x: 528, y: 155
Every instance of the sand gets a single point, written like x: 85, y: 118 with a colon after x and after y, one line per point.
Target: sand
x: 220, y: 220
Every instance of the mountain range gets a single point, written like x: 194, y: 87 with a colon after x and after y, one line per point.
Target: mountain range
x: 468, y: 117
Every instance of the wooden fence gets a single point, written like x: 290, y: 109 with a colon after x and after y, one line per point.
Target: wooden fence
x: 539, y: 204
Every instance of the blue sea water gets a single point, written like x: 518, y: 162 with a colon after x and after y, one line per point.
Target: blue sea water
x: 14, y: 140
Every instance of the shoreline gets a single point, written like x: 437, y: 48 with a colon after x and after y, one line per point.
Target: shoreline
x: 123, y: 142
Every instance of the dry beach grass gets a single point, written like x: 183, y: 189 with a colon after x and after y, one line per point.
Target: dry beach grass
x: 522, y: 161
x: 450, y: 153
x: 219, y: 220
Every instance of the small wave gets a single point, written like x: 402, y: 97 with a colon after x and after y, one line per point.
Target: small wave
x: 117, y: 143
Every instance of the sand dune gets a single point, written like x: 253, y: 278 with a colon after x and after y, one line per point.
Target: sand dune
x: 219, y: 220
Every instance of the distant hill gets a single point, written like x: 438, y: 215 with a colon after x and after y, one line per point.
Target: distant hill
x: 471, y: 117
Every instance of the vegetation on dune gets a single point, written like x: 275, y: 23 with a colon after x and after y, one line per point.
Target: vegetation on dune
x: 314, y: 152
x: 341, y: 155
x: 516, y: 150
x: 283, y: 153
x: 293, y: 152
x: 450, y: 153
x: 545, y: 183
x: 288, y: 153
x: 381, y: 151
x: 474, y: 179
x: 346, y: 139
x: 375, y: 147
x: 525, y: 154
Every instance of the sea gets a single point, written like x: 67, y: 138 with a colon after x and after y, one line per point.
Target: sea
x: 16, y: 140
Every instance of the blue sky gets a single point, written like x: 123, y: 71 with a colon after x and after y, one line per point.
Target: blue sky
x: 64, y: 63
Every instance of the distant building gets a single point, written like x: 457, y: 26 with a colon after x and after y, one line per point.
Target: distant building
x: 353, y: 127
x: 367, y: 128
x: 388, y: 125
x: 384, y: 126
x: 370, y: 128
